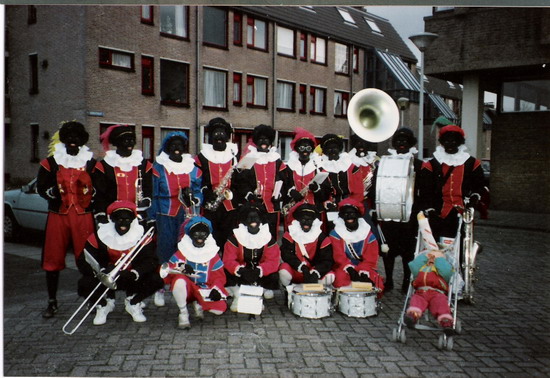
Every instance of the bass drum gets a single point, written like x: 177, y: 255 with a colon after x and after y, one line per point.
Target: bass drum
x: 395, y: 188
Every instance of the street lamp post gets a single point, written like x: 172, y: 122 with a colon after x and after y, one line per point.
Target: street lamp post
x: 403, y: 104
x: 422, y: 41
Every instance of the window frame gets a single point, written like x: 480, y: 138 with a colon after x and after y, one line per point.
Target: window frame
x: 303, y: 37
x: 35, y: 142
x: 148, y: 133
x: 31, y: 14
x: 186, y: 26
x: 345, y: 101
x: 150, y: 19
x: 212, y: 107
x: 347, y: 72
x: 186, y: 81
x: 33, y: 74
x: 248, y: 80
x: 292, y: 108
x: 293, y: 55
x: 302, y: 93
x: 148, y: 90
x: 238, y: 20
x: 226, y: 23
x: 239, y: 83
x: 346, y: 16
x: 109, y: 64
x: 251, y: 22
x: 312, y: 92
x: 314, y: 45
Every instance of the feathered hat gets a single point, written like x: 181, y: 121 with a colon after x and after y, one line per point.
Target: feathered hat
x: 113, y: 133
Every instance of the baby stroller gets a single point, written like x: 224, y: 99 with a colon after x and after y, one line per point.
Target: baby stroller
x: 452, y: 252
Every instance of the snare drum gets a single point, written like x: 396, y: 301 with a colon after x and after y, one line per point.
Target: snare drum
x: 311, y: 304
x: 395, y: 188
x: 358, y: 304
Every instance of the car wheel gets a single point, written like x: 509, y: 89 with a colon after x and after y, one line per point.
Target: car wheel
x: 11, y: 227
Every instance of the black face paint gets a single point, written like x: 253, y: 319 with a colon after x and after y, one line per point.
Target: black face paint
x: 253, y: 222
x: 125, y: 144
x: 304, y: 150
x: 263, y: 143
x: 198, y: 236
x: 122, y: 220
x: 73, y: 142
x: 306, y: 221
x: 401, y: 144
x: 350, y: 215
x: 450, y: 142
x: 175, y: 149
x: 332, y: 150
x: 219, y: 139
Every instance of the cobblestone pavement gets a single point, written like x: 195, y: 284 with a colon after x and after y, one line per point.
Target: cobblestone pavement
x: 505, y: 333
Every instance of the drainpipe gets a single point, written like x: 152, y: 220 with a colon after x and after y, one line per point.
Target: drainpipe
x: 273, y: 74
x: 197, y: 81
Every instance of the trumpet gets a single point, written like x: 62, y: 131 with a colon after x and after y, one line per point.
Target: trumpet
x: 165, y: 270
x: 191, y: 210
x: 109, y: 280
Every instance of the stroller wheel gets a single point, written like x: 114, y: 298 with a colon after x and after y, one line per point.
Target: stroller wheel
x: 394, y: 334
x: 458, y: 327
x: 442, y: 343
x: 450, y: 343
x: 402, y: 336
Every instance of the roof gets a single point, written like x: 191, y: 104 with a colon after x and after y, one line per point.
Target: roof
x: 327, y: 22
x: 399, y: 70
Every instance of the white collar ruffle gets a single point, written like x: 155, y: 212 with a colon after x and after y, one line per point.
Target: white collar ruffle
x: 302, y: 237
x: 296, y: 165
x: 335, y: 166
x: 69, y: 161
x: 124, y: 163
x: 454, y: 160
x: 352, y: 236
x: 251, y: 241
x: 368, y: 159
x: 264, y: 157
x: 186, y: 165
x: 110, y: 237
x: 407, y: 155
x: 219, y: 157
x: 195, y: 254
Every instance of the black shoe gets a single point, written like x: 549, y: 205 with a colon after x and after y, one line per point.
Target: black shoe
x: 410, y: 321
x: 405, y: 287
x: 51, y: 310
x: 388, y: 286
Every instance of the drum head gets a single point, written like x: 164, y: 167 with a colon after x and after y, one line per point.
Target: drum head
x: 395, y: 188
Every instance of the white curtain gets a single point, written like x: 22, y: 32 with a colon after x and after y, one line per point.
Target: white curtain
x: 341, y: 60
x: 285, y: 93
x: 319, y: 100
x: 180, y: 20
x: 214, y: 88
x: 285, y: 41
x: 122, y: 60
x: 259, y: 39
x: 337, y: 103
x: 260, y: 92
x: 321, y: 50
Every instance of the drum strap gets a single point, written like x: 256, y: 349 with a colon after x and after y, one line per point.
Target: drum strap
x: 352, y: 250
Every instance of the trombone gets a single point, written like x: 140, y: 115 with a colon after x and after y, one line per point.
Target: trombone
x: 109, y: 279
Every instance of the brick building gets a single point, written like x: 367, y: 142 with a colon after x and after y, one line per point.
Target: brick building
x: 505, y: 51
x: 162, y: 68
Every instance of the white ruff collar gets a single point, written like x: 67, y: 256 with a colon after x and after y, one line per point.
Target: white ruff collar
x: 452, y: 159
x: 296, y: 165
x: 369, y: 159
x: 335, y: 166
x: 299, y: 236
x: 407, y: 155
x: 198, y: 255
x: 108, y: 235
x: 352, y: 236
x: 251, y: 241
x: 219, y: 157
x: 186, y: 165
x: 264, y: 157
x: 124, y: 163
x: 69, y: 161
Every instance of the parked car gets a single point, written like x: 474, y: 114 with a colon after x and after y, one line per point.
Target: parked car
x: 24, y: 209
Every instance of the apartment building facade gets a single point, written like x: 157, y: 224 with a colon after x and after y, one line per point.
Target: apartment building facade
x: 161, y: 68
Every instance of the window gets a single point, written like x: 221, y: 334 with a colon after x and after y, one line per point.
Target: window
x: 285, y: 41
x: 284, y: 146
x: 256, y: 34
x: 355, y: 59
x: 237, y: 89
x: 122, y: 60
x: 346, y: 16
x: 285, y: 95
x: 237, y: 29
x: 525, y: 96
x: 215, y: 91
x: 256, y: 90
x: 31, y: 14
x: 317, y: 50
x: 174, y: 83
x: 174, y: 21
x: 147, y: 75
x: 341, y: 100
x: 373, y: 26
x: 317, y: 104
x: 303, y: 46
x: 33, y: 73
x: 341, y: 58
x: 35, y: 153
x: 148, y: 142
x: 214, y: 29
x: 302, y: 101
x: 147, y: 14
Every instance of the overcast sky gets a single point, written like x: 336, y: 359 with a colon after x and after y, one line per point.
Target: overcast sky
x: 407, y: 20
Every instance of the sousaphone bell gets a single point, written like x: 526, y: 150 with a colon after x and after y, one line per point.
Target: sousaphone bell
x: 373, y: 115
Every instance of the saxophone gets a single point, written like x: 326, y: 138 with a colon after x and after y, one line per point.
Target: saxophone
x: 286, y: 208
x: 222, y: 191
